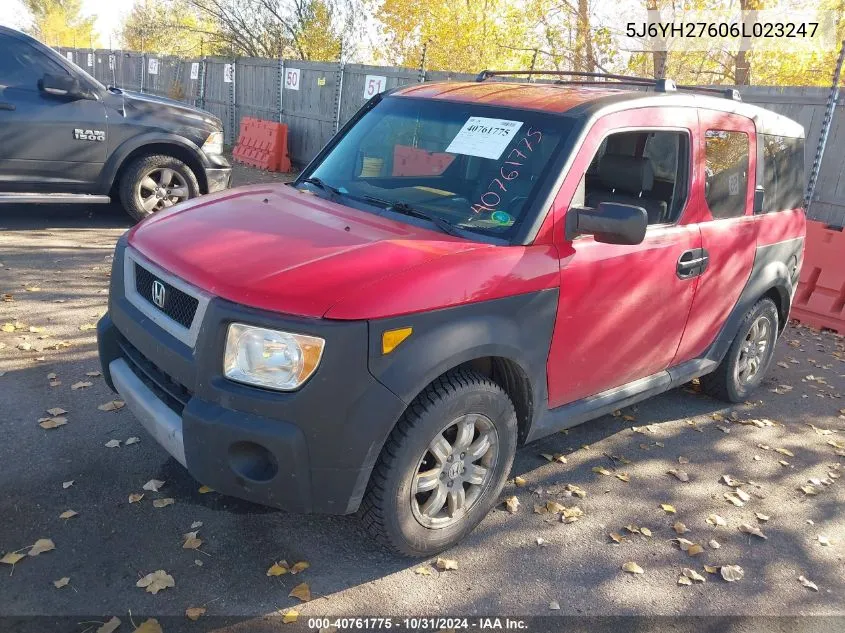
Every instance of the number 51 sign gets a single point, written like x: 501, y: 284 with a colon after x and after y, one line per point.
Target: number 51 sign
x: 374, y: 84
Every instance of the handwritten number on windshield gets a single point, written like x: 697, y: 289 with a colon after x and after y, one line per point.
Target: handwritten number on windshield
x: 508, y: 172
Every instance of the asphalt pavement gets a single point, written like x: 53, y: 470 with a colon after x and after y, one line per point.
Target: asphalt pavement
x: 54, y: 265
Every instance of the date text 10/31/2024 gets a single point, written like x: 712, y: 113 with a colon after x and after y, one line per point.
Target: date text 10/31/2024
x: 418, y: 624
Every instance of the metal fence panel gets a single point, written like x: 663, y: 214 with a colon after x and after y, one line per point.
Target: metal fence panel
x: 309, y: 110
x: 355, y: 94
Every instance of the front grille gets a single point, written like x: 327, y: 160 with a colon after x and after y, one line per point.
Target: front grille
x: 170, y: 391
x: 179, y: 306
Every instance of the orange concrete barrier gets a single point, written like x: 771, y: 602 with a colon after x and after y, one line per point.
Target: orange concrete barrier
x: 263, y: 144
x: 820, y: 299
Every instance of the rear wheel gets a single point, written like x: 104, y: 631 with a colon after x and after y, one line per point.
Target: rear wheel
x: 443, y: 466
x: 744, y: 366
x: 153, y: 183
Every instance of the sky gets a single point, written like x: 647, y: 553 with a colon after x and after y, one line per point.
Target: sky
x: 109, y: 14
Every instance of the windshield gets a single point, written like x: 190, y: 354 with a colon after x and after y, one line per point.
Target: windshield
x: 472, y: 166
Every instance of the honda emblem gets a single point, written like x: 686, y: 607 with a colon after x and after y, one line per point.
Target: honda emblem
x: 158, y: 294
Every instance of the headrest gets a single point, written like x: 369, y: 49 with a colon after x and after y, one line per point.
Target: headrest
x: 626, y: 173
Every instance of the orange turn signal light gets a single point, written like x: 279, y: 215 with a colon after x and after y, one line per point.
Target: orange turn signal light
x: 390, y: 340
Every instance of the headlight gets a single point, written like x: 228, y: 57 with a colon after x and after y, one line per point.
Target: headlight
x: 214, y: 143
x: 270, y: 358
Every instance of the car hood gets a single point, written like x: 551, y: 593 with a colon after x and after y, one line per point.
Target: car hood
x: 285, y: 250
x: 144, y: 103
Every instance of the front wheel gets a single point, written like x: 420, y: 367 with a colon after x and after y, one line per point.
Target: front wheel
x: 443, y: 466
x: 153, y: 183
x: 744, y: 366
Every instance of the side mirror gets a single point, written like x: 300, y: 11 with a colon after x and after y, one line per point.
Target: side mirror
x: 611, y: 223
x: 62, y: 86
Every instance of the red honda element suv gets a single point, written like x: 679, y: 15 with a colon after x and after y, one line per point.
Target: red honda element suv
x: 465, y: 267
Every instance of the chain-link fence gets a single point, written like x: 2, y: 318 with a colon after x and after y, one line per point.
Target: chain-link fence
x: 315, y: 98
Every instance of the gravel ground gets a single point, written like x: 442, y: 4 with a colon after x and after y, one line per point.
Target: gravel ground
x: 55, y: 264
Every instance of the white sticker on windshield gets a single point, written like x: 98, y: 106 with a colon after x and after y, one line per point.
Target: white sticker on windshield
x: 484, y: 137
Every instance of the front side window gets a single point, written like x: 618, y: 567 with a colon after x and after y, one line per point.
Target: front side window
x: 22, y: 65
x: 476, y: 167
x: 726, y: 172
x: 783, y: 173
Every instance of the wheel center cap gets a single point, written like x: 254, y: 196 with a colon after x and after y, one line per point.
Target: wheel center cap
x: 455, y: 470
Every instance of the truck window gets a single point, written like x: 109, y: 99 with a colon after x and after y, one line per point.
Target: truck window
x: 22, y: 65
x: 783, y: 173
x: 726, y: 172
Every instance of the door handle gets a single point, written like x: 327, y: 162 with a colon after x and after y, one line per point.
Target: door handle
x: 692, y: 263
x: 7, y: 106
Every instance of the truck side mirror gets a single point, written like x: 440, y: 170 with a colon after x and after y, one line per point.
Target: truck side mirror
x: 62, y: 86
x: 611, y: 223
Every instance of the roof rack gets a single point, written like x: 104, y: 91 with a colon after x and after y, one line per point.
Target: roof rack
x: 659, y: 85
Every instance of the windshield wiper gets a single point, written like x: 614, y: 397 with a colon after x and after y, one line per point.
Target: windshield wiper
x: 406, y: 209
x: 322, y: 185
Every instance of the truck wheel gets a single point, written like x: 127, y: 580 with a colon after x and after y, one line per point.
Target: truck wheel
x: 152, y: 183
x: 744, y: 366
x: 443, y: 466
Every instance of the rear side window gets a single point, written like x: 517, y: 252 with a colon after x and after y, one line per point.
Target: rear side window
x: 22, y: 65
x: 726, y: 171
x: 783, y: 173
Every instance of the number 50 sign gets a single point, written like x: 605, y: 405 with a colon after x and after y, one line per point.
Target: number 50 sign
x: 374, y: 84
x: 292, y: 78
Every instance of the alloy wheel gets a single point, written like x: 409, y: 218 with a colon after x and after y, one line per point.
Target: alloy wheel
x: 754, y: 350
x: 454, y: 471
x: 160, y: 188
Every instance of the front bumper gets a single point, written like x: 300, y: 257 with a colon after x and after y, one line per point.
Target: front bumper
x: 311, y: 450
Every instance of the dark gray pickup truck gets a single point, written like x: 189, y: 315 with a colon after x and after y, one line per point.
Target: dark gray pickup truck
x: 66, y: 138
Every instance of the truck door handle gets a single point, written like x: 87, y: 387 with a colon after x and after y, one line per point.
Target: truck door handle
x: 7, y: 106
x: 692, y: 263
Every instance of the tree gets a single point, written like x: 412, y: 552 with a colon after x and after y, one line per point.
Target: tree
x: 60, y: 23
x: 459, y: 35
x: 169, y: 27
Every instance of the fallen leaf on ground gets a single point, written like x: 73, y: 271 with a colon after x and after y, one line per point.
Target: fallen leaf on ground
x: 752, y: 529
x: 299, y: 567
x: 730, y: 481
x: 601, y: 470
x: 570, y: 515
x: 714, y: 544
x: 194, y: 613
x: 87, y: 326
x: 93, y: 374
x: 82, y: 384
x: 132, y: 440
x: 135, y: 497
x: 192, y: 541
x: 645, y: 531
x: 205, y: 490
x: 761, y: 517
x: 784, y: 451
x: 715, y: 519
x: 710, y: 569
x: 110, y: 626
x: 290, y: 616
x: 61, y: 582
x: 112, y: 443
x: 41, y: 545
x: 11, y: 558
x: 669, y: 509
x: 52, y: 423
x: 576, y: 490
x: 68, y: 514
x: 808, y: 489
x: 423, y: 571
x: 824, y: 540
x: 445, y: 564
x: 56, y: 411
x: 623, y: 477
x: 809, y: 584
x: 279, y: 568
x: 150, y: 625
x: 553, y: 507
x: 732, y: 573
x: 683, y: 460
x: 156, y: 581
x: 739, y: 492
x: 301, y: 591
x: 632, y: 568
x: 512, y: 504
x: 734, y: 499
x: 554, y: 605
x: 112, y: 405
x: 683, y: 580
x: 153, y: 485
x: 519, y: 482
x: 67, y: 484
x: 680, y: 475
x: 616, y: 538
x: 693, y: 575
x: 162, y: 503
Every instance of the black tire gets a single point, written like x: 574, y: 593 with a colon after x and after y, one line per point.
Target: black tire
x: 725, y: 382
x: 130, y: 181
x: 388, y: 506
